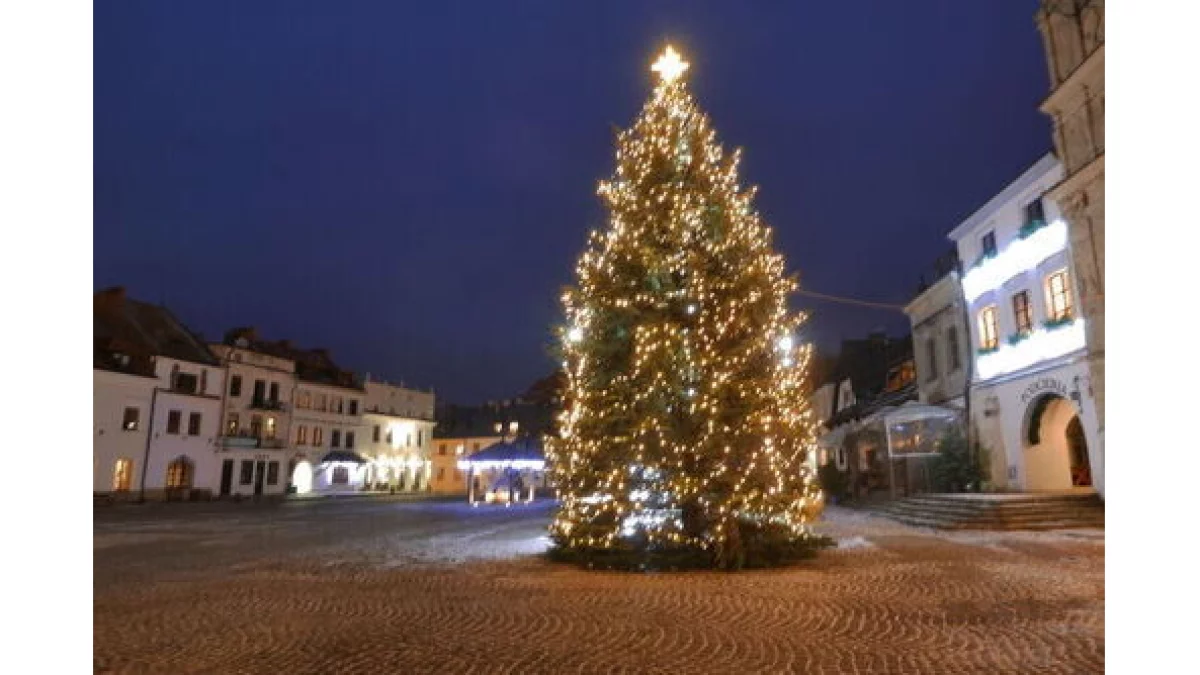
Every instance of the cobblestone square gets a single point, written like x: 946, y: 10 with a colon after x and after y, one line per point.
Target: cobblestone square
x: 359, y: 586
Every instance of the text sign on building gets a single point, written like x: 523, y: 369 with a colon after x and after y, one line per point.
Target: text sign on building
x: 1044, y: 385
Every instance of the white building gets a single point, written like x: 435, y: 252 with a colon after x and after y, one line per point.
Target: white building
x: 1031, y: 403
x: 256, y: 421
x: 156, y: 385
x: 328, y: 429
x: 120, y: 419
x: 398, y: 436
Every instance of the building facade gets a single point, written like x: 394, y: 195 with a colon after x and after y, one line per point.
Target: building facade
x: 399, y: 436
x: 1073, y: 36
x: 120, y: 429
x: 255, y: 421
x: 166, y: 387
x: 328, y: 429
x: 1030, y: 405
x: 940, y: 342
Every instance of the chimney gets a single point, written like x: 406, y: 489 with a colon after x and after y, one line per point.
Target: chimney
x: 246, y: 332
x: 110, y: 298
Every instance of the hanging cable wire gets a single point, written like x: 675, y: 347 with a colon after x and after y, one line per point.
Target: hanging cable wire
x: 850, y: 301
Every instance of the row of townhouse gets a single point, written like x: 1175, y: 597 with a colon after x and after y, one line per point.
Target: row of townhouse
x: 1009, y: 340
x: 1025, y: 381
x: 176, y: 418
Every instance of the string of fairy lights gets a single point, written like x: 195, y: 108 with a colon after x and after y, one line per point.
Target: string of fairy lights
x: 685, y: 384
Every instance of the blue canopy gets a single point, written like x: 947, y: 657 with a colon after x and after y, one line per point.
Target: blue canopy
x: 520, y: 453
x: 343, y: 456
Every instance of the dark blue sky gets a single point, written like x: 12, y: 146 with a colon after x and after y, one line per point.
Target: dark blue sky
x: 409, y: 184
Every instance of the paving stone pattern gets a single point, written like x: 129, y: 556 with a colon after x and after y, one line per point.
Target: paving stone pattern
x: 891, y: 599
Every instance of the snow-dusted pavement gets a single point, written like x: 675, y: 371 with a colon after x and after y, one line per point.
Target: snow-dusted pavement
x: 383, y: 586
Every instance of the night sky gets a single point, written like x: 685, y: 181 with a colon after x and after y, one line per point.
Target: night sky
x: 410, y: 184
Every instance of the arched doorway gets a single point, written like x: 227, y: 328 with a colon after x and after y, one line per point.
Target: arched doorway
x: 1056, y: 455
x: 302, y: 477
x: 1081, y: 468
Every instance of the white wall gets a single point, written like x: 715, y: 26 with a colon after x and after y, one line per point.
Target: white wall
x: 252, y: 367
x: 202, y: 447
x: 1045, y: 466
x: 1004, y: 214
x: 111, y: 394
x: 327, y: 420
x: 393, y: 400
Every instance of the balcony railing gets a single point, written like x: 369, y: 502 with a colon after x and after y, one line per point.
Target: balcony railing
x: 267, y: 404
x: 247, y: 440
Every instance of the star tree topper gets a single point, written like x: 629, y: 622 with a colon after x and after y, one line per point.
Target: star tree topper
x: 669, y: 66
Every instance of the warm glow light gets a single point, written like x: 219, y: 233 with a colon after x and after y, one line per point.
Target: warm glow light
x: 688, y: 395
x: 669, y: 66
x: 302, y: 477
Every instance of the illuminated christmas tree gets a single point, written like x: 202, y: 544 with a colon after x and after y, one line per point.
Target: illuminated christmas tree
x: 685, y: 430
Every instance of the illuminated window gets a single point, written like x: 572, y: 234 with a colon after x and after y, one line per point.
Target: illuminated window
x: 989, y: 334
x: 1023, y: 312
x: 179, y: 473
x: 1058, y: 296
x: 270, y: 427
x: 231, y: 424
x: 122, y: 474
x: 129, y: 422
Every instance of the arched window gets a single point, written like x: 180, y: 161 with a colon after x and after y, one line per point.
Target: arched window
x: 122, y: 474
x: 179, y: 473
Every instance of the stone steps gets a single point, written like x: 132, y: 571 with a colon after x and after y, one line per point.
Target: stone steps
x: 997, y: 512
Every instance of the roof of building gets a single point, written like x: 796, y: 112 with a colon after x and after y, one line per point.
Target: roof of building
x: 864, y: 408
x: 127, y: 334
x: 312, y: 365
x: 1044, y: 165
x: 455, y: 421
x: 521, y: 449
